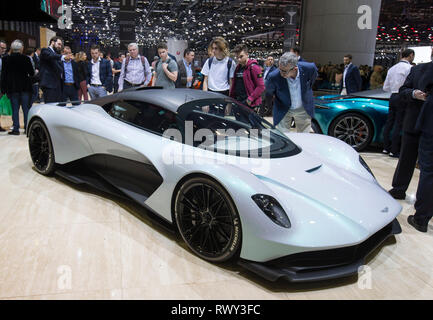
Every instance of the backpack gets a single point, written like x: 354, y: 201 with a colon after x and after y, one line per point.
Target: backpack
x: 229, y: 66
x: 178, y: 82
x: 143, y: 62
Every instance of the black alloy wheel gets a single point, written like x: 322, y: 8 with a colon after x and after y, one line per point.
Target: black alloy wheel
x: 354, y: 129
x: 207, y: 220
x: 41, y: 148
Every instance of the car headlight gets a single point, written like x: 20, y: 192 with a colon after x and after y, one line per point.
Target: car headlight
x: 365, y: 165
x: 272, y: 209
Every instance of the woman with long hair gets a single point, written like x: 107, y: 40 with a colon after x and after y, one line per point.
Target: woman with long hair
x: 81, y: 59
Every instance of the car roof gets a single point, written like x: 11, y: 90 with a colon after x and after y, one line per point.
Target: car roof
x: 170, y: 99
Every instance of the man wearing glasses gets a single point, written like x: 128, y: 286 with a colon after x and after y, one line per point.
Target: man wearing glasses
x: 291, y: 84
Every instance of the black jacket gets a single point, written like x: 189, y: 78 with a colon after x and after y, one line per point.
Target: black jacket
x: 17, y: 71
x: 51, y: 71
x: 182, y: 75
x: 37, y: 62
x: 75, y: 72
x: 82, y: 70
x: 425, y: 119
x: 418, y: 78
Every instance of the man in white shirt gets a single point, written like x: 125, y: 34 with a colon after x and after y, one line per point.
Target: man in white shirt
x: 351, y: 81
x: 100, y: 75
x: 219, y: 70
x: 394, y: 80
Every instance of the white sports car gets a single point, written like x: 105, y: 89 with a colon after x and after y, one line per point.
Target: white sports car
x: 302, y: 207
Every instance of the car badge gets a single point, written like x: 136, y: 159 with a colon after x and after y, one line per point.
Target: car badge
x: 385, y: 210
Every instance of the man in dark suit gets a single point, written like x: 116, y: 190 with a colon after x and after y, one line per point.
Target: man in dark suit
x: 269, y: 67
x: 51, y: 72
x: 291, y: 84
x: 71, y: 78
x: 351, y: 81
x: 297, y: 51
x: 414, y: 96
x: 424, y: 194
x: 187, y: 76
x: 37, y: 63
x: 100, y: 75
x: 36, y: 58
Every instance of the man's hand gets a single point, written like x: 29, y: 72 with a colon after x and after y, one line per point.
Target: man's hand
x: 419, y: 95
x: 195, y: 83
x: 164, y: 66
x: 248, y: 101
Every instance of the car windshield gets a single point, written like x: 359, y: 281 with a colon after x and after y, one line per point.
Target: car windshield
x: 226, y: 126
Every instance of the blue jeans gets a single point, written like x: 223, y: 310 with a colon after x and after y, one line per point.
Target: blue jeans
x: 19, y: 99
x: 97, y: 92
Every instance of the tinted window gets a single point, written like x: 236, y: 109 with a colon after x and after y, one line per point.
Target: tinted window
x: 143, y: 115
x: 223, y: 125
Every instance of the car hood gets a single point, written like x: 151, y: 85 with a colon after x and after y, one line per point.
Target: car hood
x: 337, y: 193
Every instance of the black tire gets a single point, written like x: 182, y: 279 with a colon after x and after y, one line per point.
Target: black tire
x: 354, y: 129
x: 41, y: 148
x: 207, y: 220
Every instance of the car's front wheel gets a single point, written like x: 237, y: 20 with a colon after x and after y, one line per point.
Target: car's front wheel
x: 354, y: 129
x: 207, y: 219
x: 41, y: 148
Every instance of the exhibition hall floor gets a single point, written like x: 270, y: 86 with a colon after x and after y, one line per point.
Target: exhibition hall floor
x: 59, y: 241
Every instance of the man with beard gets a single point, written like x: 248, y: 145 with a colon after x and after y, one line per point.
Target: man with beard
x: 351, y: 81
x: 51, y: 72
x: 414, y: 92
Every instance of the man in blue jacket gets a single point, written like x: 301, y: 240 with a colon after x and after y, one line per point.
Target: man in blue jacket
x: 351, y: 81
x: 291, y: 84
x: 100, y: 75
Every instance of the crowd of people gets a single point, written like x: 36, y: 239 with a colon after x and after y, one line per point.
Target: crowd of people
x: 63, y: 76
x: 330, y: 76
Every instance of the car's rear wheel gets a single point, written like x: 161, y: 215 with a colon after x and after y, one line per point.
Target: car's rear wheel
x: 207, y: 219
x: 354, y: 129
x: 41, y: 148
